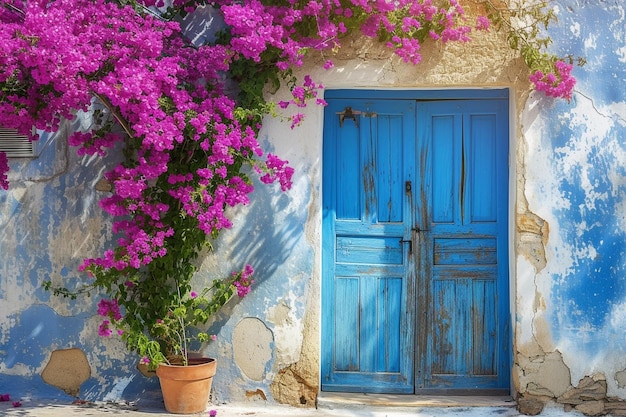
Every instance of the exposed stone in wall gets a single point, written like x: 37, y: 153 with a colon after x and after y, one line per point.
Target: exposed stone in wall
x: 547, y: 375
x: 531, y: 405
x: 533, y: 234
x: 485, y: 61
x: 67, y: 369
x: 298, y: 383
x: 252, y: 342
x: 588, y: 389
x: 589, y: 397
x: 295, y: 385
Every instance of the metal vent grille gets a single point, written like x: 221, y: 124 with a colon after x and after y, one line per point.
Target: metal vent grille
x: 14, y: 145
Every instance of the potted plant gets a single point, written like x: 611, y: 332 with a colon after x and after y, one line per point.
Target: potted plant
x: 162, y: 324
x: 186, y: 151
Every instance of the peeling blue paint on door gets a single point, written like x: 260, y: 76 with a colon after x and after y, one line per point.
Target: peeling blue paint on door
x: 415, y: 258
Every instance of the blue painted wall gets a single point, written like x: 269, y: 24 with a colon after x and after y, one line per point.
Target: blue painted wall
x: 584, y: 144
x: 571, y: 157
x: 49, y: 220
x: 592, y: 181
x: 577, y: 182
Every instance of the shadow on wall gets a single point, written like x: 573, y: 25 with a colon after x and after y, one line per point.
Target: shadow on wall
x: 28, y: 346
x: 269, y: 235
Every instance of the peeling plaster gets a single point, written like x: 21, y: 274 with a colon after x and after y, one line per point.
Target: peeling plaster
x: 67, y: 369
x: 252, y: 345
x: 620, y: 378
x: 533, y: 235
x: 574, y: 180
x: 568, y: 200
x: 287, y: 331
x: 547, y: 375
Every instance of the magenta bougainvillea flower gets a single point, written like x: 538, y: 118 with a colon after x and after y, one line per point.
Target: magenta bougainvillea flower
x: 190, y: 139
x: 104, y: 329
x: 558, y: 84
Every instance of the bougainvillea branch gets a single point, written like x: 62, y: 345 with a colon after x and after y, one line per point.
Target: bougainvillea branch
x: 525, y: 24
x: 137, y: 73
x: 190, y: 141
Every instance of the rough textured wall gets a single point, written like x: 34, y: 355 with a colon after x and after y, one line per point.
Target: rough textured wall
x: 49, y: 221
x: 485, y: 62
x: 268, y: 343
x: 567, y: 211
x: 571, y: 295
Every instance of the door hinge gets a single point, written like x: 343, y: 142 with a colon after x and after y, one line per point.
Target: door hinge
x: 348, y: 113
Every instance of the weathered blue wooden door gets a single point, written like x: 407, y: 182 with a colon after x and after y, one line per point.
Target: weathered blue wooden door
x: 368, y: 290
x: 415, y: 281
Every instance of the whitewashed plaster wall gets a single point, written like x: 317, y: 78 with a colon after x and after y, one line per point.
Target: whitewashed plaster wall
x: 567, y: 242
x: 290, y: 262
x: 49, y: 221
x: 573, y: 303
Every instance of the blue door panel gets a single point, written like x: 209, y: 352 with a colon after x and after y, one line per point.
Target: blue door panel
x: 445, y: 180
x: 414, y: 256
x: 482, y: 168
x: 389, y: 334
x: 366, y: 218
x: 346, y: 325
x: 463, y: 246
x: 347, y: 176
x: 484, y: 327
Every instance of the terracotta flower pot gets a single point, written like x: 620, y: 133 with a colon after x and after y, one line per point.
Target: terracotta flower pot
x: 186, y: 389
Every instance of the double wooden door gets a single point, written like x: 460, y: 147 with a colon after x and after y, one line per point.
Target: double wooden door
x: 415, y: 294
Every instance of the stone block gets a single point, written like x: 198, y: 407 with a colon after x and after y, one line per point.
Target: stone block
x: 530, y: 406
x: 591, y: 408
x: 67, y: 369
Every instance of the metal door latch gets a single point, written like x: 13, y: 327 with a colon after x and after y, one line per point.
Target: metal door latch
x: 410, y: 242
x: 348, y: 113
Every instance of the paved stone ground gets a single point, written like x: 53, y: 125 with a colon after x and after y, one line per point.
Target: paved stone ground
x: 35, y: 409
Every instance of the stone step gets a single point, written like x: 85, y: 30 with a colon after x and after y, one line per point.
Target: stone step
x: 339, y: 400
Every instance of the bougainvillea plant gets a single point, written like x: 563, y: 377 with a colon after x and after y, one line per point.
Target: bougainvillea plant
x: 190, y: 139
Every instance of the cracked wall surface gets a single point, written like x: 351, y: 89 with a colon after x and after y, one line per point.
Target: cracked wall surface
x: 49, y: 219
x: 567, y: 222
x: 570, y: 292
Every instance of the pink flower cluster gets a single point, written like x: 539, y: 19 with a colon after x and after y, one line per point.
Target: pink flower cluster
x: 559, y: 84
x: 56, y: 56
x: 104, y: 330
x: 258, y: 27
x: 244, y: 281
x: 110, y: 309
x: 4, y: 168
x: 301, y: 96
x: 186, y: 142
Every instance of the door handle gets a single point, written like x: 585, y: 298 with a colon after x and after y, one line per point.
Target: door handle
x: 418, y: 230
